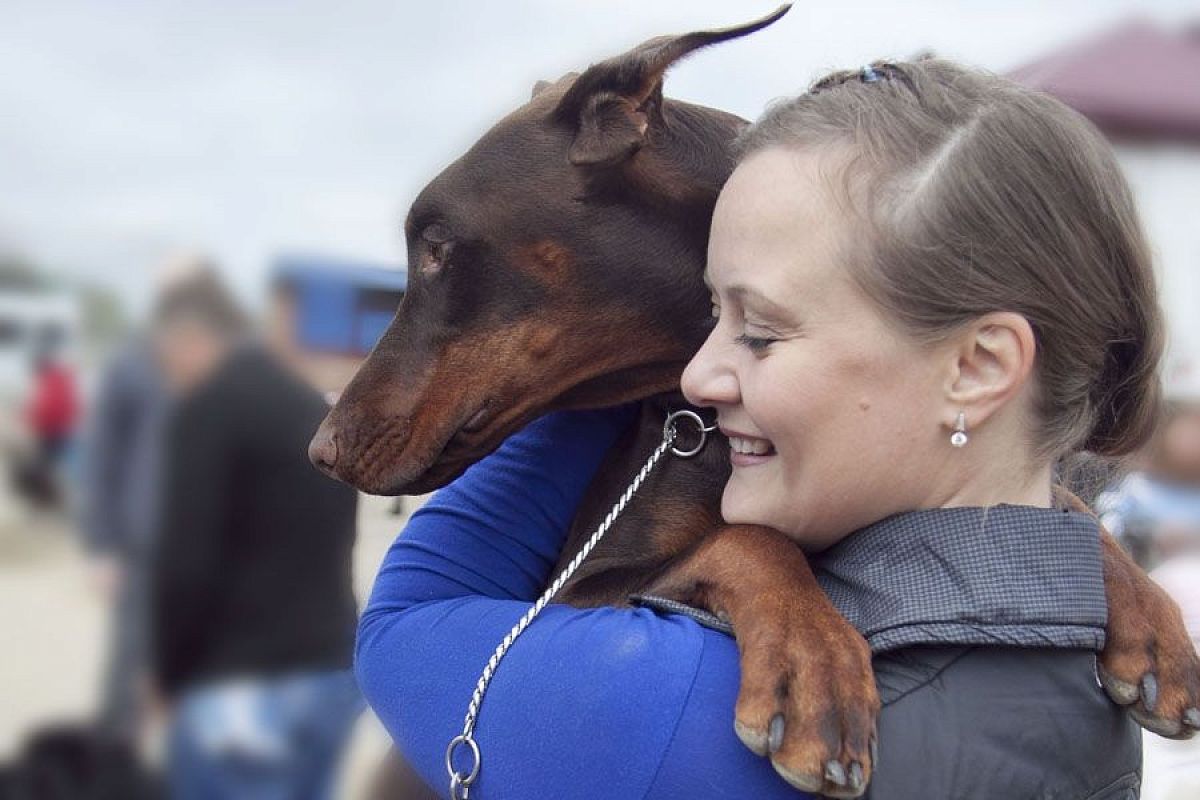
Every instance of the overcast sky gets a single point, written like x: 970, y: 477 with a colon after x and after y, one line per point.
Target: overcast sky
x: 129, y: 129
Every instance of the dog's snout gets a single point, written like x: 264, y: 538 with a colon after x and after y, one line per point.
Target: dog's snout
x: 322, y: 450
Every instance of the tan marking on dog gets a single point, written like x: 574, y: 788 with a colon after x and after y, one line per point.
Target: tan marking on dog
x: 677, y: 523
x: 547, y: 261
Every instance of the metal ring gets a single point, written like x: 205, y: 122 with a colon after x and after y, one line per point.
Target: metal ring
x: 669, y: 431
x: 455, y: 775
x: 458, y: 789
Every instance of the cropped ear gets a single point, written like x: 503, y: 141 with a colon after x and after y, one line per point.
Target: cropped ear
x: 614, y: 102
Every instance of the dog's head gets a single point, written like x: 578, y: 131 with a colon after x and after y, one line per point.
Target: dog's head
x: 556, y: 264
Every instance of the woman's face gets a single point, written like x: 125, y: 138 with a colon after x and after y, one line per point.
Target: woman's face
x: 833, y: 415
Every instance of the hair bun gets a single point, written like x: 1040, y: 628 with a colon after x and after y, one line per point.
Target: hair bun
x: 1129, y: 397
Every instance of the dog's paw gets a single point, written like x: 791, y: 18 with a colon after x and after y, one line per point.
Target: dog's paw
x: 808, y: 702
x: 1149, y: 663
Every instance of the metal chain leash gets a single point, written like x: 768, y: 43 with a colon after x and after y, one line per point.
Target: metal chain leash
x: 460, y: 782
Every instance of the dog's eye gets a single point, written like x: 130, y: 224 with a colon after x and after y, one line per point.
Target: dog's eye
x: 435, y: 249
x: 432, y: 258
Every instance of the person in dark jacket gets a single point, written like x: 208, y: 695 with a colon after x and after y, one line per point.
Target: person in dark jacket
x: 253, y: 612
x: 120, y: 480
x: 929, y: 284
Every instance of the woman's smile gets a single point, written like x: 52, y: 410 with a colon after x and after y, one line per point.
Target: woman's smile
x: 747, y: 451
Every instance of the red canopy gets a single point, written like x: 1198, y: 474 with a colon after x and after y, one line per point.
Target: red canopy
x: 1137, y: 80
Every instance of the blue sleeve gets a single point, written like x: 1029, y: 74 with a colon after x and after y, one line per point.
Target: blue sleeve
x: 588, y: 702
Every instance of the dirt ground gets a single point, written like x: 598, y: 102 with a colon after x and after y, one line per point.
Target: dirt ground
x: 53, y: 627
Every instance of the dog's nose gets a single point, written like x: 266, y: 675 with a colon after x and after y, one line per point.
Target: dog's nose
x: 322, y: 450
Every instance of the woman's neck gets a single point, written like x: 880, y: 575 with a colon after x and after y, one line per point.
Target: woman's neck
x: 994, y: 483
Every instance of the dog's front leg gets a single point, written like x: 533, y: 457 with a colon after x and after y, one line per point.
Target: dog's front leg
x: 807, y: 697
x: 1148, y: 663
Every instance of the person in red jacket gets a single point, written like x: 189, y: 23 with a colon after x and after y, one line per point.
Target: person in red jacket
x: 52, y: 415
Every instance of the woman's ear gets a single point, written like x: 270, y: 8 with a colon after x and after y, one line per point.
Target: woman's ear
x: 992, y: 359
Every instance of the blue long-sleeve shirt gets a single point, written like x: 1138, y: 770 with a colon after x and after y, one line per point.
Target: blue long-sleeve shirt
x: 588, y: 703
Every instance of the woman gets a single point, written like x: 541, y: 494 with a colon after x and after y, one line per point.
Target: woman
x: 929, y: 284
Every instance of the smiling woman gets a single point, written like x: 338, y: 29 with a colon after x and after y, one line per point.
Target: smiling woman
x: 928, y: 285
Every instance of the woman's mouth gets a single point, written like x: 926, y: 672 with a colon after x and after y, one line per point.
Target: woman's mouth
x: 745, y: 451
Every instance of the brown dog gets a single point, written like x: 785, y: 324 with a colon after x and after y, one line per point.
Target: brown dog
x: 557, y: 264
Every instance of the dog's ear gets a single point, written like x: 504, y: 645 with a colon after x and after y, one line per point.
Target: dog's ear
x: 614, y: 102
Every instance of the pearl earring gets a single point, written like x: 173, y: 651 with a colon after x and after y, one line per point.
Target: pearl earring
x: 959, y: 437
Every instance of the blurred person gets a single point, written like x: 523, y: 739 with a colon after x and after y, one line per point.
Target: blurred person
x: 1155, y: 508
x: 253, y: 613
x: 51, y: 415
x: 121, y: 465
x: 121, y: 468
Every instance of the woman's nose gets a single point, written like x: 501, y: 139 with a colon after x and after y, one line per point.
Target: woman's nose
x: 707, y: 380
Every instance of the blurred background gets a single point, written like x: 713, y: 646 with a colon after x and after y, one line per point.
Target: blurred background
x: 274, y: 148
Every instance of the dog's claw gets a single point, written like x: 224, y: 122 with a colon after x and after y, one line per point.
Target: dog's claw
x: 755, y: 740
x: 775, y: 733
x: 1149, y: 691
x: 856, y: 777
x: 1167, y: 728
x: 803, y: 782
x: 835, y: 773
x: 1191, y: 718
x: 1122, y: 692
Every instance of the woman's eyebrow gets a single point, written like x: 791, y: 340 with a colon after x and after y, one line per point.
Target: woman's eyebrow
x: 761, y: 301
x: 758, y: 298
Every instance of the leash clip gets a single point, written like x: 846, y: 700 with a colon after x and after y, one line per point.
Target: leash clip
x: 460, y: 782
x: 669, y: 431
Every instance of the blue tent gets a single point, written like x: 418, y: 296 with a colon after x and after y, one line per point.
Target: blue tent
x: 342, y: 307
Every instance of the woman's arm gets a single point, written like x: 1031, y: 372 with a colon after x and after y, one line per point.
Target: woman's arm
x: 588, y: 703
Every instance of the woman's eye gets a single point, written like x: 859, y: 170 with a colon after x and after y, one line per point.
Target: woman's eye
x: 756, y: 344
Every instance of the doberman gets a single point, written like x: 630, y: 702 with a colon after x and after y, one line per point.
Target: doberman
x: 557, y: 264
